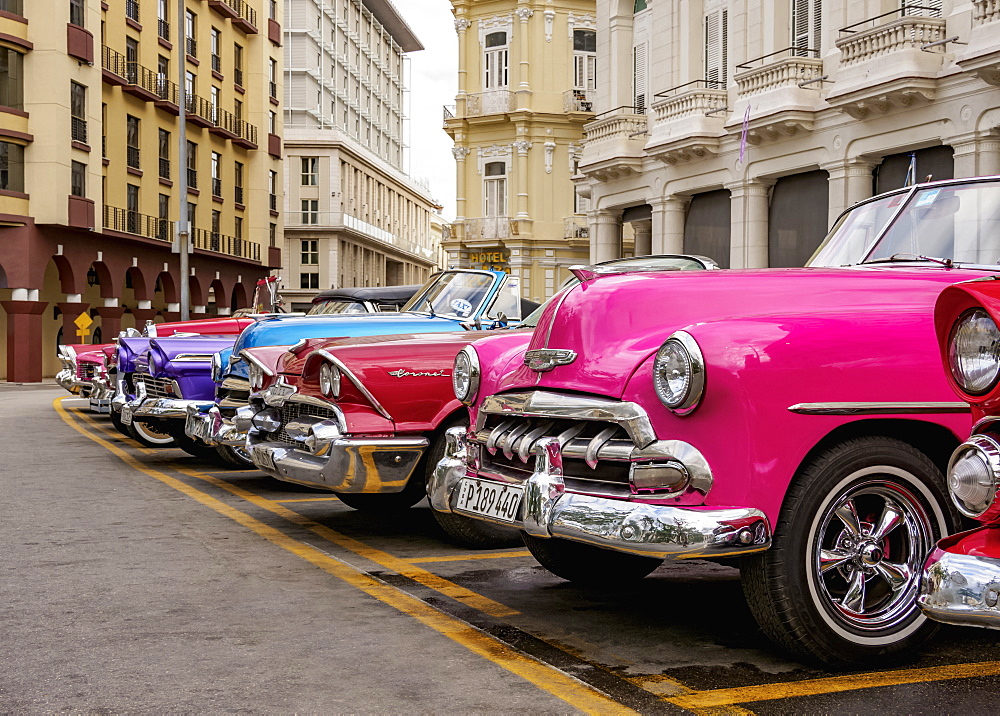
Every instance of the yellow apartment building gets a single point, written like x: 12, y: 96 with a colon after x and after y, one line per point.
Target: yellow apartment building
x: 527, y: 80
x: 90, y: 177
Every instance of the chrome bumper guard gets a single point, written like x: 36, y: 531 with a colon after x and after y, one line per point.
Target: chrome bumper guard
x: 206, y: 422
x: 663, y: 531
x: 961, y: 589
x: 101, y: 393
x: 68, y: 380
x: 164, y: 408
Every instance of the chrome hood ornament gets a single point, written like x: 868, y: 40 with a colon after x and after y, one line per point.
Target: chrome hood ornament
x: 545, y: 359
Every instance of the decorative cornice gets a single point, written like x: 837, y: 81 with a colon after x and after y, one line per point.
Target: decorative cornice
x: 524, y: 13
x: 462, y: 24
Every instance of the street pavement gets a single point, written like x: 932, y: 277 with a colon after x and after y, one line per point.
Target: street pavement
x: 136, y: 580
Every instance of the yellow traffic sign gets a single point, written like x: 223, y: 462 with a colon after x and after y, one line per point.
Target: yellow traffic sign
x: 83, y: 321
x: 82, y: 335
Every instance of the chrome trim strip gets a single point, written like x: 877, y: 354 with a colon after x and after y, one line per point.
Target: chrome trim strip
x: 357, y: 382
x: 192, y: 358
x: 558, y: 307
x: 250, y: 359
x: 861, y: 408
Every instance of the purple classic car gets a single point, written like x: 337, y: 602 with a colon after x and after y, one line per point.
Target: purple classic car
x: 794, y: 419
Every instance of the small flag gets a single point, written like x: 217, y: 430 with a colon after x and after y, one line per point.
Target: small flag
x: 911, y: 172
x: 743, y: 134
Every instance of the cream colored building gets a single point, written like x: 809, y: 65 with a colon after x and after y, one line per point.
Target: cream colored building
x: 89, y: 171
x: 837, y: 100
x: 528, y: 82
x: 353, y: 217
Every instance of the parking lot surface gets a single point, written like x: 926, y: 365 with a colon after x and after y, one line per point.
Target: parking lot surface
x: 148, y: 580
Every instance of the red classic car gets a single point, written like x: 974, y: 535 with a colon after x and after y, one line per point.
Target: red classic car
x: 961, y: 580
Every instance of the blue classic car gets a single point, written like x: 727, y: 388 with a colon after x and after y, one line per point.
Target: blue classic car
x: 452, y: 300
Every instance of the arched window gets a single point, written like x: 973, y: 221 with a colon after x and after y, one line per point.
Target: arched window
x: 496, y: 60
x: 584, y: 59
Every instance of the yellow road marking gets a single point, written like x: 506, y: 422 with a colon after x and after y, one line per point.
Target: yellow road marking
x: 560, y: 685
x: 312, y: 499
x: 833, y: 684
x: 396, y: 564
x: 465, y: 557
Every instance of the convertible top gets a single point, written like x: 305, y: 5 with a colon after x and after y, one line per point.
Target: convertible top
x: 394, y: 294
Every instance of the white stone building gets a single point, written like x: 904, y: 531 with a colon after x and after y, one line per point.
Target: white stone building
x: 838, y: 99
x: 353, y: 217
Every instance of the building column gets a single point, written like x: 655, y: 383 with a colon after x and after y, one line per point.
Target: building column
x: 111, y: 321
x: 24, y: 339
x: 142, y: 315
x: 521, y: 178
x: 975, y: 155
x: 669, y: 215
x: 70, y: 311
x: 850, y: 182
x: 524, y: 42
x: 642, y: 230
x: 460, y: 153
x: 748, y: 222
x: 462, y: 25
x: 605, y: 236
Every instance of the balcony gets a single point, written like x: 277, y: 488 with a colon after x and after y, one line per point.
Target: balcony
x: 688, y: 121
x: 575, y: 227
x: 881, y: 64
x: 484, y: 103
x: 982, y: 56
x: 223, y: 244
x: 226, y: 124
x: 167, y: 95
x: 200, y: 112
x: 613, y: 144
x: 487, y: 227
x: 783, y: 88
x: 242, y: 15
x: 114, y: 68
x: 142, y: 82
x: 132, y: 222
x: 163, y: 29
x: 579, y: 100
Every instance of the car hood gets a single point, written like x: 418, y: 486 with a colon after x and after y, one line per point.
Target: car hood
x: 128, y: 349
x: 615, y: 323
x: 195, y: 353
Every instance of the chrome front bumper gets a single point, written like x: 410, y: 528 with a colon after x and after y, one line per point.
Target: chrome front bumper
x: 68, y: 379
x: 101, y: 393
x: 961, y: 589
x: 163, y: 408
x: 663, y: 531
x: 210, y: 426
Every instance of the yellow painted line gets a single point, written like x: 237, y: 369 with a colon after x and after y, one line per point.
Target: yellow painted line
x: 565, y: 687
x: 466, y: 557
x: 833, y: 684
x: 312, y: 499
x: 384, y: 559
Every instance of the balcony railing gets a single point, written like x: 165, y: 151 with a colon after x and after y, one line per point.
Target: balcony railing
x: 192, y: 177
x: 142, y: 77
x: 113, y: 61
x: 200, y: 107
x: 164, y: 168
x: 579, y: 100
x: 132, y: 157
x: 163, y: 29
x: 493, y: 102
x: 449, y: 112
x: 192, y: 47
x: 691, y: 99
x: 216, y: 63
x: 216, y: 187
x: 238, y: 194
x: 877, y: 36
x: 132, y: 10
x: 223, y: 244
x: 487, y: 227
x: 575, y: 227
x: 984, y: 11
x: 78, y: 128
x: 240, y: 9
x: 785, y: 68
x: 273, y: 202
x: 272, y: 88
x: 238, y: 75
x: 132, y: 222
x: 618, y: 123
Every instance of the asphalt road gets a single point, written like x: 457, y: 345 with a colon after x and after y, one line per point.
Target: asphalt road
x: 137, y: 580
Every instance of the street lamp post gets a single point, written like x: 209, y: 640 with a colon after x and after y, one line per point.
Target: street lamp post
x: 182, y: 243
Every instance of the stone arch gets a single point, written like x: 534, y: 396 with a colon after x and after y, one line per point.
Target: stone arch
x: 140, y: 290
x: 239, y: 299
x: 169, y: 288
x: 68, y: 279
x: 3, y: 278
x: 218, y: 291
x: 196, y: 292
x: 103, y: 279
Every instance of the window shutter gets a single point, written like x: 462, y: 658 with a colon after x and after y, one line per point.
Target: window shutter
x: 639, y: 78
x: 807, y: 25
x: 716, y: 46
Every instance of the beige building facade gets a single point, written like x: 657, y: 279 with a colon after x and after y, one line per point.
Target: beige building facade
x: 528, y: 82
x: 741, y: 129
x: 90, y: 177
x: 353, y: 216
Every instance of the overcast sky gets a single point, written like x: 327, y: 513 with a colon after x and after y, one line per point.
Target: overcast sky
x: 433, y: 84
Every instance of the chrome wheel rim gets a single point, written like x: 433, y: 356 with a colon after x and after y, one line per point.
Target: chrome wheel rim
x: 153, y: 436
x: 868, y: 551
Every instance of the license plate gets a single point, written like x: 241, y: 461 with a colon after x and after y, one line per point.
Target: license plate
x: 263, y: 457
x: 126, y: 415
x: 496, y: 500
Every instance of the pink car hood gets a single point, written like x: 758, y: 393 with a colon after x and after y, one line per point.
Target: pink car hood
x: 615, y: 323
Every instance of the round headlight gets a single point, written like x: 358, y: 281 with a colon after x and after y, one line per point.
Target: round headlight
x: 465, y: 375
x: 329, y: 380
x: 679, y: 373
x: 974, y: 475
x: 256, y: 375
x: 974, y: 352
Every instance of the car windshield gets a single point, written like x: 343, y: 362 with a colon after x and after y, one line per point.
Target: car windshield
x: 954, y: 222
x: 453, y: 294
x: 326, y: 308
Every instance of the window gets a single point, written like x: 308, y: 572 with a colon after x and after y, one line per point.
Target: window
x: 132, y: 10
x: 238, y: 64
x: 132, y: 208
x: 716, y: 46
x: 308, y: 280
x: 163, y: 77
x: 163, y: 19
x: 192, y: 210
x: 272, y: 9
x: 496, y: 60
x: 11, y: 167
x: 272, y: 234
x: 131, y: 60
x: 272, y: 184
x: 584, y: 60
x: 77, y: 12
x: 272, y: 77
x: 238, y: 109
x: 238, y: 228
x: 496, y: 189
x: 216, y: 50
x: 190, y: 85
x: 310, y: 211
x: 807, y: 16
x: 164, y: 153
x: 216, y: 100
x: 238, y: 183
x: 192, y: 165
x: 163, y: 216
x: 310, y: 252
x: 11, y: 78
x: 78, y: 111
x: 78, y: 179
x: 272, y: 122
x: 310, y: 171
x: 191, y: 27
x: 132, y: 141
x: 216, y: 174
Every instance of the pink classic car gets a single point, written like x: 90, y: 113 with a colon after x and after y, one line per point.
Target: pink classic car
x: 961, y: 583
x: 796, y: 419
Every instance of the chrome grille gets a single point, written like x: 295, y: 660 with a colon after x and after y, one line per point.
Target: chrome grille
x: 294, y: 410
x: 596, y: 454
x: 86, y: 371
x: 158, y: 387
